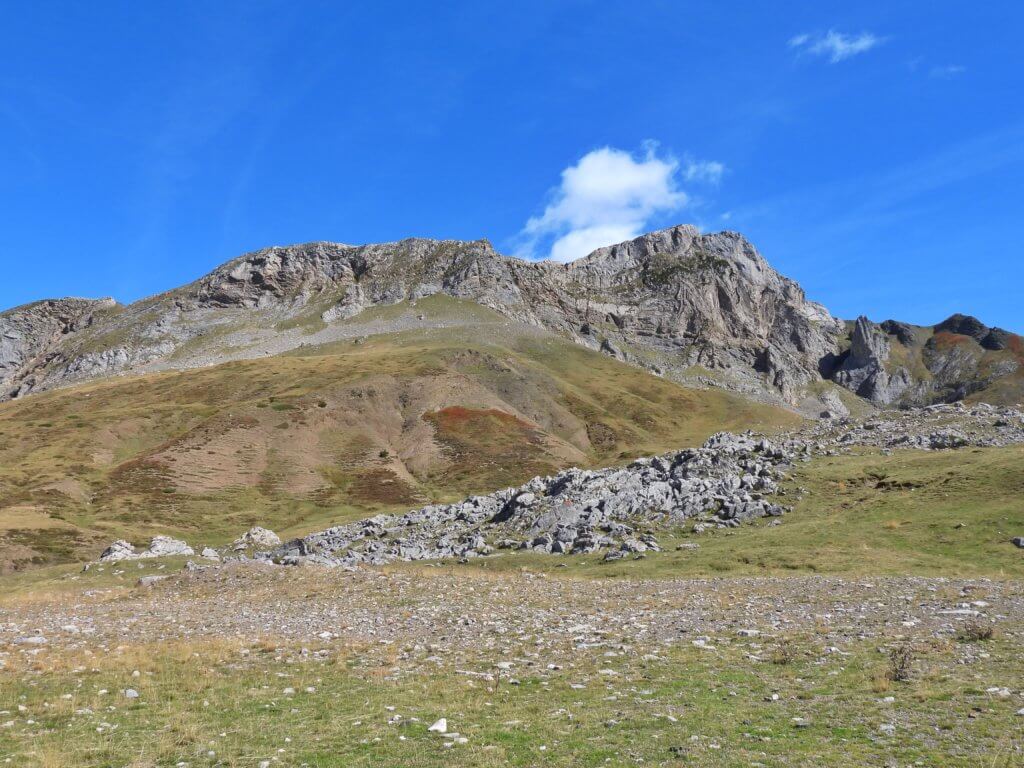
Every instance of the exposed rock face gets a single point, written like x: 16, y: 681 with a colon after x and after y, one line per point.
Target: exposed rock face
x: 864, y: 370
x: 707, y: 300
x: 30, y: 337
x: 898, y: 363
x: 704, y: 309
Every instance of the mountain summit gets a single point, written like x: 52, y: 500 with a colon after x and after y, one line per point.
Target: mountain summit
x: 703, y: 309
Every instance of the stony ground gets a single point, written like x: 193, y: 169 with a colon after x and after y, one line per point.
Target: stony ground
x: 521, y: 658
x: 769, y: 671
x: 470, y: 615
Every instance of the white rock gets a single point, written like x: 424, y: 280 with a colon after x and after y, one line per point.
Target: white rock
x: 165, y: 546
x: 30, y: 640
x: 441, y: 726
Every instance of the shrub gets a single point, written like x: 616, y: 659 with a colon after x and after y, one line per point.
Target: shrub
x: 901, y: 663
x: 783, y: 654
x: 977, y: 631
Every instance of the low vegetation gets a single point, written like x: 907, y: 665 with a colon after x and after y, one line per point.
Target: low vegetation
x: 328, y: 434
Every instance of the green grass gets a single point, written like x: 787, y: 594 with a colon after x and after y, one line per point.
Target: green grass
x: 687, y: 706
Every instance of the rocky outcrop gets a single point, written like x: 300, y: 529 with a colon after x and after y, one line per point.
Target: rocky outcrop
x: 898, y: 363
x: 31, y: 336
x: 865, y: 369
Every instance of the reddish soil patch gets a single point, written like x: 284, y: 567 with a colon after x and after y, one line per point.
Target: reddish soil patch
x: 382, y: 486
x: 1016, y: 346
x: 944, y: 340
x: 488, y: 448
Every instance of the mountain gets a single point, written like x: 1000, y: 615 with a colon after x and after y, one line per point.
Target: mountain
x: 896, y: 363
x: 319, y: 383
x: 701, y: 308
x: 455, y: 400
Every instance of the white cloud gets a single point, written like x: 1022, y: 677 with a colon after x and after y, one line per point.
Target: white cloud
x: 607, y: 197
x: 835, y: 45
x: 709, y: 171
x: 950, y: 70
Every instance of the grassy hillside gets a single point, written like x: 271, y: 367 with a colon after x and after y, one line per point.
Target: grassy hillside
x: 329, y: 433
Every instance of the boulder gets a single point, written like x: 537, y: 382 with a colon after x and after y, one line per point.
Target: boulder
x: 165, y: 546
x: 118, y: 550
x: 263, y: 538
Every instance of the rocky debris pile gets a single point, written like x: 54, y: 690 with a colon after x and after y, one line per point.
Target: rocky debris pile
x: 619, y: 511
x: 935, y: 427
x: 160, y: 546
x: 728, y: 480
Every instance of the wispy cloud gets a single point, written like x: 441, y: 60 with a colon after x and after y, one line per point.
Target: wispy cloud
x: 610, y: 195
x: 709, y: 171
x: 947, y: 71
x: 836, y: 46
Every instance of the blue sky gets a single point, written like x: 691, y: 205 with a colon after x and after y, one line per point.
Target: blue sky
x: 874, y: 151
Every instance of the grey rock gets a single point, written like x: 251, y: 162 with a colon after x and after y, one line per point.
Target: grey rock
x: 118, y: 550
x: 865, y: 370
x: 256, y: 538
x: 31, y: 640
x: 160, y: 546
x: 166, y: 546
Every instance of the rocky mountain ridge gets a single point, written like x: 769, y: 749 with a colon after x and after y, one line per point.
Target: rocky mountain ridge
x: 704, y: 309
